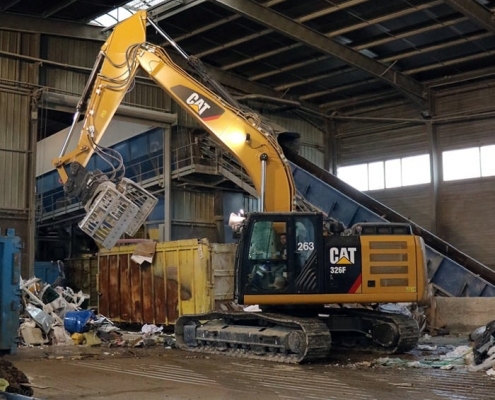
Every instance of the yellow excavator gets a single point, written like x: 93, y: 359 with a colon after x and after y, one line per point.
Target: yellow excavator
x: 302, y: 269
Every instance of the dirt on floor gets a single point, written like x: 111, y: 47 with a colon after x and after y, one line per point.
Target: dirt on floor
x: 17, y: 380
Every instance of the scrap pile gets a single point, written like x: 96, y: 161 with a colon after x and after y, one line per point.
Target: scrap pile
x: 484, y: 348
x: 54, y: 316
x: 50, y: 315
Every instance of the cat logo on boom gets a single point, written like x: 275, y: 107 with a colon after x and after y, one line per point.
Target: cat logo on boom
x: 201, y: 105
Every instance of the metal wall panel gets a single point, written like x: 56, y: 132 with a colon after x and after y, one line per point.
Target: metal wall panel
x: 462, y: 123
x: 9, y: 67
x: 29, y: 70
x: 312, y: 143
x: 413, y: 202
x: 312, y: 154
x: 72, y: 82
x: 146, y: 94
x: 184, y: 119
x: 381, y: 132
x: 83, y: 55
x: 15, y: 151
x: 357, y: 143
x: 63, y: 80
x: 18, y: 69
x: 464, y: 134
x: 467, y: 213
x: 193, y: 215
x: 193, y: 206
x: 391, y: 109
x: 310, y: 134
x: 471, y: 98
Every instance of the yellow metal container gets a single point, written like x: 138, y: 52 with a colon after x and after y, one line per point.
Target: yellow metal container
x: 185, y: 277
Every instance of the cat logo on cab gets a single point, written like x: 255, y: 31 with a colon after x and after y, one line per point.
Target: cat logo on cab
x: 342, y: 255
x: 340, y: 258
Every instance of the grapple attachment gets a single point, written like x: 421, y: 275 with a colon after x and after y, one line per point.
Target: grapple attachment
x: 115, y: 210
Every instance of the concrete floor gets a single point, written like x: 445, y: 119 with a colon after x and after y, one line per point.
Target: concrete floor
x: 78, y: 372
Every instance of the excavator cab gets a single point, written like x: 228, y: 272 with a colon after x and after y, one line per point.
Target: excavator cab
x: 266, y: 265
x: 369, y: 262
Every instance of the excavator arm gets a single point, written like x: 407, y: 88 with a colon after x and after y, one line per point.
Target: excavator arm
x: 112, y: 75
x: 114, y: 204
x: 122, y: 206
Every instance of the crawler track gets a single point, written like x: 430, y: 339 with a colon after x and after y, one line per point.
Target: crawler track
x: 289, y: 339
x: 380, y: 332
x: 262, y: 336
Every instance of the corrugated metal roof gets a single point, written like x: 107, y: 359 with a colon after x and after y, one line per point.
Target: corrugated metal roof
x: 321, y: 53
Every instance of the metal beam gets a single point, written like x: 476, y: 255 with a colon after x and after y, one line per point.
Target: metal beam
x: 304, y: 18
x: 359, y: 100
x: 67, y: 103
x: 57, y: 8
x: 242, y: 85
x: 393, y: 36
x: 308, y: 17
x: 455, y: 61
x: 406, y: 85
x: 11, y: 3
x: 19, y: 23
x: 438, y: 46
x: 375, y: 42
x: 475, y: 12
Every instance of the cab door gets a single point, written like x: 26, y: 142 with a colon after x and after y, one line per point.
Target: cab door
x: 265, y: 268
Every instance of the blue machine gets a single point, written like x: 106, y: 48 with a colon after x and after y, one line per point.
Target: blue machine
x: 10, y: 293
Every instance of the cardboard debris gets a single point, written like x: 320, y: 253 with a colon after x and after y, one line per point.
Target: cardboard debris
x: 32, y: 335
x: 144, y: 252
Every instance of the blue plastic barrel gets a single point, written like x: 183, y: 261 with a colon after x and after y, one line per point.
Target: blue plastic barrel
x: 77, y: 321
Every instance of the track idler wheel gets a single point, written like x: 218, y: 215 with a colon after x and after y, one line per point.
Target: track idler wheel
x: 296, y: 342
x: 385, y: 334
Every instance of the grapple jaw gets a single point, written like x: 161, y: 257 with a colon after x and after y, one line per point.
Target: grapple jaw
x: 116, y: 209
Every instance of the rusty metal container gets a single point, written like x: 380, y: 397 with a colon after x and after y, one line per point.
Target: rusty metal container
x: 185, y: 277
x: 82, y: 275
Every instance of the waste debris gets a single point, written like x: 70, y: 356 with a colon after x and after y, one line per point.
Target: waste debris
x: 55, y: 316
x: 43, y: 312
x: 442, y: 357
x: 478, y: 354
x: 484, y: 348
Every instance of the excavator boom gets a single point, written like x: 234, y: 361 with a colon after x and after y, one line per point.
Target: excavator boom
x: 238, y: 132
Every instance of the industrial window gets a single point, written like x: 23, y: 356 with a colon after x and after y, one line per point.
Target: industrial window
x: 399, y: 172
x: 125, y: 11
x: 473, y: 162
